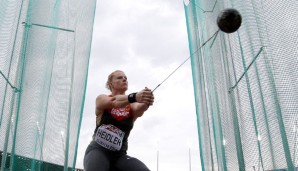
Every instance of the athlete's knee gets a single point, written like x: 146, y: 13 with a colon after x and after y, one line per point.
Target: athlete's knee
x: 95, y: 160
x: 131, y: 164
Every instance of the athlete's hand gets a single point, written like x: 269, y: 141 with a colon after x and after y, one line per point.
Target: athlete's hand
x: 145, y: 96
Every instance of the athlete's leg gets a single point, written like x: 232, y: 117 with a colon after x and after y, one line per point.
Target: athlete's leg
x: 96, y: 160
x: 127, y: 163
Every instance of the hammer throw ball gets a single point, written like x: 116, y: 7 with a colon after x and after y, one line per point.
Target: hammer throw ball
x: 229, y: 20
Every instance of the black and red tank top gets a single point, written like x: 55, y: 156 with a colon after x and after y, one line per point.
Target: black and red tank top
x: 114, y: 128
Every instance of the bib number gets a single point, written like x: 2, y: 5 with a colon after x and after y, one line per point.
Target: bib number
x: 109, y: 137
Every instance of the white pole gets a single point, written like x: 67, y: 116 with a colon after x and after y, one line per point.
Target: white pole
x: 157, y: 157
x: 189, y: 159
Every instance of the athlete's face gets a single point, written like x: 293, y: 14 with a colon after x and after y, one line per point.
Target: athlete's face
x: 119, y: 81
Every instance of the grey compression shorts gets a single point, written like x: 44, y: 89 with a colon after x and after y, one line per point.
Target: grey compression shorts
x: 98, y: 158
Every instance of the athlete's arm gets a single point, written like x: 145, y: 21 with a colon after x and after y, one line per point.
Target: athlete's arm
x: 107, y: 102
x: 144, y: 99
x: 138, y: 109
x: 141, y: 106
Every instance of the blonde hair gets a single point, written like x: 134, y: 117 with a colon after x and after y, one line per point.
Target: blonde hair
x: 110, y: 77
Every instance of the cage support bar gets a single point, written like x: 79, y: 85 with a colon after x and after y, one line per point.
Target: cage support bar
x: 9, y: 83
x: 232, y: 88
x: 51, y: 27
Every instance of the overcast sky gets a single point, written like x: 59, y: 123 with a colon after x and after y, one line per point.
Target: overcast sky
x: 147, y: 39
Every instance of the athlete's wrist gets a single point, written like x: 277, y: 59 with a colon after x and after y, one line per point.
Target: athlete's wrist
x: 132, y: 97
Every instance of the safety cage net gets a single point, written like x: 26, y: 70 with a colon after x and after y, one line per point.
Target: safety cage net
x: 245, y: 84
x: 44, y: 56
